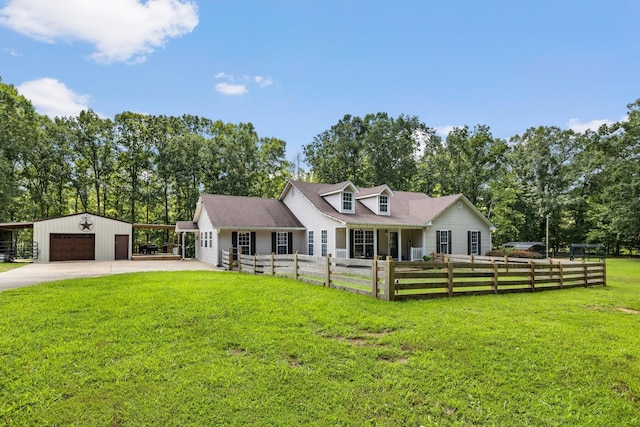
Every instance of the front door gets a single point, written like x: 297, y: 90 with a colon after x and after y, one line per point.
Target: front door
x: 393, y: 244
x: 122, y: 246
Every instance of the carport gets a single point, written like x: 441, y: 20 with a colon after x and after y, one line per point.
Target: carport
x: 10, y: 247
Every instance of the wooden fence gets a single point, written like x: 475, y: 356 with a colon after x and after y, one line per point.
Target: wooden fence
x: 403, y: 280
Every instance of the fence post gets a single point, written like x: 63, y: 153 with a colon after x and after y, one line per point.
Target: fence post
x: 494, y: 282
x: 231, y: 258
x: 585, y: 271
x: 389, y: 280
x: 255, y: 263
x: 532, y: 275
x: 239, y: 262
x: 450, y: 278
x: 273, y: 264
x: 327, y: 280
x: 374, y: 276
x: 295, y: 265
x: 561, y: 273
x: 604, y: 273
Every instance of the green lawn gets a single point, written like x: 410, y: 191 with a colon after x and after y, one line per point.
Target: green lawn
x: 210, y: 348
x: 6, y: 266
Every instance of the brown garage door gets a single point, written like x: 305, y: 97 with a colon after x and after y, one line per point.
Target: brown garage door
x: 72, y: 247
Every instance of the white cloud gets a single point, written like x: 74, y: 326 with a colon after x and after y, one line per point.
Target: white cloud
x: 120, y: 30
x: 444, y: 130
x: 263, y: 81
x: 12, y: 52
x: 53, y: 98
x: 238, y: 85
x: 230, y: 89
x: 577, y: 126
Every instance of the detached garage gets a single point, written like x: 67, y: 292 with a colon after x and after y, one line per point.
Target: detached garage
x: 82, y: 237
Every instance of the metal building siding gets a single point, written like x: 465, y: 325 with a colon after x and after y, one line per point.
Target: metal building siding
x: 104, y: 229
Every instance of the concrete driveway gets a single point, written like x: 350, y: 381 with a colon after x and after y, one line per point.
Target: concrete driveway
x: 37, y: 273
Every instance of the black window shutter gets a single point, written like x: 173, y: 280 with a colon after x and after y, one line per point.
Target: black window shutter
x: 479, y: 244
x: 468, y: 242
x: 438, y: 241
x: 253, y: 243
x: 290, y: 242
x: 234, y: 242
x: 273, y: 242
x: 450, y: 242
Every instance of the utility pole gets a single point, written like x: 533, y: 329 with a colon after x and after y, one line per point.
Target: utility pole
x: 547, y: 238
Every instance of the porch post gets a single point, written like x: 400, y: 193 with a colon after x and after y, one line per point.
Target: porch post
x: 348, y: 240
x: 182, y: 246
x: 375, y: 242
x: 424, y: 241
x: 400, y: 244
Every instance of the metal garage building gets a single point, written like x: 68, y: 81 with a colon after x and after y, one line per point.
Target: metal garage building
x: 82, y: 236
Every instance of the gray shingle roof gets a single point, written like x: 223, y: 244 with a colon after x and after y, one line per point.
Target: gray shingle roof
x: 240, y: 212
x: 186, y: 226
x: 373, y: 191
x: 407, y: 208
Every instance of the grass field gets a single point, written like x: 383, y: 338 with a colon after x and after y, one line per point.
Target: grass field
x: 211, y: 348
x: 6, y: 266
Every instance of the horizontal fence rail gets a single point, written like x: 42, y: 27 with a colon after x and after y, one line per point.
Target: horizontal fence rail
x: 12, y: 250
x: 404, y: 280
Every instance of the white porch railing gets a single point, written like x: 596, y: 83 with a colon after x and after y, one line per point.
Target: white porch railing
x: 341, y: 253
x: 416, y: 254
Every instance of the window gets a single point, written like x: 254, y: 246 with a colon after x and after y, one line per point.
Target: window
x: 211, y: 239
x: 324, y: 238
x: 474, y: 243
x: 347, y: 202
x: 282, y: 243
x: 384, y: 204
x: 363, y: 243
x: 206, y: 239
x: 443, y: 241
x: 201, y: 239
x: 310, y: 243
x: 244, y: 243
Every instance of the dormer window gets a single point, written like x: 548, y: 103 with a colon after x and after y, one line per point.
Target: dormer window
x: 347, y: 201
x: 383, y: 204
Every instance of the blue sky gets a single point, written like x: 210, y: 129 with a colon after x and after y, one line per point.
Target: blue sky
x: 295, y: 68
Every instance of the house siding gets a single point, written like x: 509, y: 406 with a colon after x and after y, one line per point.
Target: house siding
x: 334, y: 200
x: 459, y: 221
x: 207, y: 254
x: 104, y: 229
x: 371, y: 203
x: 313, y: 220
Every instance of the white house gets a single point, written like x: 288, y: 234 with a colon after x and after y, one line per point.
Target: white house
x: 352, y: 222
x: 339, y: 219
x: 250, y: 224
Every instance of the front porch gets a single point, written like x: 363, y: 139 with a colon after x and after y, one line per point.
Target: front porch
x: 408, y: 244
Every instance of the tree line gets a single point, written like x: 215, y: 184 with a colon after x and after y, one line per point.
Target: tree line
x: 585, y: 186
x: 150, y: 169
x: 137, y: 167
